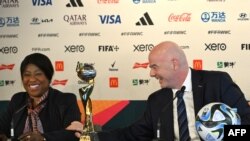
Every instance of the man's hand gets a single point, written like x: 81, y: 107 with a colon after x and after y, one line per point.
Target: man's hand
x: 76, y: 126
x: 32, y: 136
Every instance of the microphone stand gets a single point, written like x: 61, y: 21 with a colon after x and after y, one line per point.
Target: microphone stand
x: 12, y: 133
x: 158, y: 131
x: 158, y: 136
x: 12, y: 130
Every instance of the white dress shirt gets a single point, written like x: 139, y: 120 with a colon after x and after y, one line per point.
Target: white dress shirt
x: 189, y: 102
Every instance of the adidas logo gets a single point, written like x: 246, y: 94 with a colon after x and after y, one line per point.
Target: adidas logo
x: 75, y: 3
x: 145, y: 20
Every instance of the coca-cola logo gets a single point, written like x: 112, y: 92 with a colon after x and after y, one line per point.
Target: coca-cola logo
x: 184, y: 17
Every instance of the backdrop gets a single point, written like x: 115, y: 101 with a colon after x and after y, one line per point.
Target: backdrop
x: 116, y: 36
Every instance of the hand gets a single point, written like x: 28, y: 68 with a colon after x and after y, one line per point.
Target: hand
x: 76, y: 126
x: 32, y: 136
x: 3, y: 137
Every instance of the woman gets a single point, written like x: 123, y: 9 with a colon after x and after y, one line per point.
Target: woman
x: 40, y: 113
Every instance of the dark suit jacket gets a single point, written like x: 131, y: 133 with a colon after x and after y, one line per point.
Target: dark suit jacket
x: 60, y: 110
x: 208, y: 86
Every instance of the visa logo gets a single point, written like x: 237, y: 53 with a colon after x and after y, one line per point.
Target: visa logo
x: 41, y: 2
x: 110, y: 19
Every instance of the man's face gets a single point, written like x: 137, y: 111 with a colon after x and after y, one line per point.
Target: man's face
x: 34, y: 81
x: 162, y: 68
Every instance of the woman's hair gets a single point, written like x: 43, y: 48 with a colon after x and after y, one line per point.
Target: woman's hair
x: 41, y: 61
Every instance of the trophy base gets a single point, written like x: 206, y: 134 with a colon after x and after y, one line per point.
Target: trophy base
x: 89, y: 137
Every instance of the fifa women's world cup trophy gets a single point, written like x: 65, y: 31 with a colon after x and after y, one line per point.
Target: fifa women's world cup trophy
x: 87, y: 73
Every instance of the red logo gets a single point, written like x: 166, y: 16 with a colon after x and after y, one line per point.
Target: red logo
x: 138, y: 65
x: 113, y: 82
x: 10, y: 67
x: 184, y: 17
x: 60, y: 82
x: 59, y: 66
x: 197, y: 64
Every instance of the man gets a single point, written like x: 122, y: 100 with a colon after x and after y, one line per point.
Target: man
x: 169, y: 66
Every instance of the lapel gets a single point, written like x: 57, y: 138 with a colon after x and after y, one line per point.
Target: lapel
x: 19, y: 119
x: 45, y: 114
x: 54, y: 111
x: 20, y: 114
x: 167, y: 126
x: 198, y: 89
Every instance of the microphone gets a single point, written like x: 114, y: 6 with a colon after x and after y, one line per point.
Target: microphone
x: 176, y: 95
x: 20, y: 109
x: 158, y: 136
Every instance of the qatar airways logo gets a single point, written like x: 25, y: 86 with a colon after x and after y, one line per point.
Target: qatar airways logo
x: 59, y: 82
x: 184, y: 17
x: 9, y: 3
x: 140, y: 65
x: 76, y: 19
x: 7, y: 67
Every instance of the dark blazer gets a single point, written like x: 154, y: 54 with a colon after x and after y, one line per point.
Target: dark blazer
x: 208, y: 86
x: 60, y: 110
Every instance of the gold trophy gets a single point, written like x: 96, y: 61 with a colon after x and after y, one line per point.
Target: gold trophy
x: 87, y: 73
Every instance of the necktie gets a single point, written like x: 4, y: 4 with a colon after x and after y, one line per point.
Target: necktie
x: 182, y: 118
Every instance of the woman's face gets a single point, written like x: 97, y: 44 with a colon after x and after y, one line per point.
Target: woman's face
x: 35, y: 81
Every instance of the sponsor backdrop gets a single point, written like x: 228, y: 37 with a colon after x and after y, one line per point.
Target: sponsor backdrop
x: 116, y: 36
